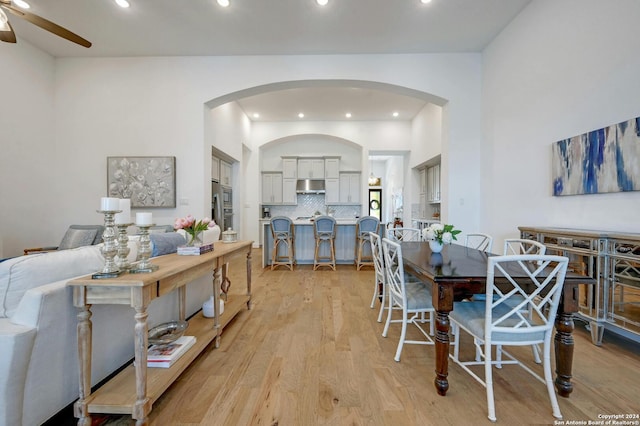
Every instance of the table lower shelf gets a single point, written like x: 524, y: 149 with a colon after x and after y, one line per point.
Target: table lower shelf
x: 118, y: 395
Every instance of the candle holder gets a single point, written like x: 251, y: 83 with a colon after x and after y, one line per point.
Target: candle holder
x: 123, y: 247
x: 144, y: 253
x: 110, y: 247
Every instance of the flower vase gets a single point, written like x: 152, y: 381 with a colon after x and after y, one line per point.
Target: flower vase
x: 194, y: 240
x: 435, y: 246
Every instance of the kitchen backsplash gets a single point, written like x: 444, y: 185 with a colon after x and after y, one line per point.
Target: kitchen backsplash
x: 308, y: 204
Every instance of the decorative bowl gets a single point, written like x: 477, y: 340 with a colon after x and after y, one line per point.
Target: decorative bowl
x: 167, y: 332
x: 229, y: 236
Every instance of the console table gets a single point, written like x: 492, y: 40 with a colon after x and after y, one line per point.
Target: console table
x: 135, y: 389
x: 613, y: 260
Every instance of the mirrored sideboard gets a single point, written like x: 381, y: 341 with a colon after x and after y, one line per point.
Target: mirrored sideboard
x: 613, y: 260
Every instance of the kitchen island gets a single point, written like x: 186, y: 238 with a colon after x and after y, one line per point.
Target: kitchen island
x: 305, y: 242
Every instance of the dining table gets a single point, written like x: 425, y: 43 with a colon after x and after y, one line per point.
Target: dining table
x: 459, y: 272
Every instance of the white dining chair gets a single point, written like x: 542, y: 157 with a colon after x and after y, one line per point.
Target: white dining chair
x: 504, y: 318
x: 404, y: 234
x: 479, y: 241
x: 414, y: 299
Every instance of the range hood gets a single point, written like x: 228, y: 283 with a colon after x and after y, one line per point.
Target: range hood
x: 310, y: 186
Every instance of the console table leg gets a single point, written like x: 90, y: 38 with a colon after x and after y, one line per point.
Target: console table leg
x: 217, y: 282
x: 563, y: 343
x: 249, y: 278
x: 142, y: 406
x: 84, y: 330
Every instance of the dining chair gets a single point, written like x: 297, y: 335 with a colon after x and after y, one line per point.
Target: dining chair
x: 514, y: 246
x: 364, y: 225
x: 517, y: 285
x: 414, y: 299
x: 523, y: 246
x: 404, y: 234
x: 380, y: 290
x: 479, y: 241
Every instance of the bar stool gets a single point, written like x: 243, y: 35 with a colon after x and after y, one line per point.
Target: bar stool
x: 364, y: 225
x: 282, y: 231
x: 324, y: 230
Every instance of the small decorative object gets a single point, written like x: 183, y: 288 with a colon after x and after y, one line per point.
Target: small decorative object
x: 207, y: 308
x: 109, y: 207
x: 167, y: 332
x: 229, y: 236
x: 438, y: 235
x: 144, y: 221
x: 146, y: 181
x: 122, y: 259
x: 193, y: 228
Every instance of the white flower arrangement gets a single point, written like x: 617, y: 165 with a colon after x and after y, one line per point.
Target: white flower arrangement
x: 443, y: 234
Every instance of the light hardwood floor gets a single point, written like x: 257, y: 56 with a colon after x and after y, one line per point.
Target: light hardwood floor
x: 310, y: 352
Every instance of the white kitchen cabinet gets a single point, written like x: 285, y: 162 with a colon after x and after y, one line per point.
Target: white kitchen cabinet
x: 422, y: 180
x: 310, y: 168
x: 215, y: 169
x: 332, y: 168
x: 289, y: 195
x: 225, y: 173
x: 350, y: 188
x: 271, y: 188
x: 332, y: 191
x: 433, y: 184
x: 289, y: 167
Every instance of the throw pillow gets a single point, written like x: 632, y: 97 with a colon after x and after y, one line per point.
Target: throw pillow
x: 165, y: 243
x: 77, y: 238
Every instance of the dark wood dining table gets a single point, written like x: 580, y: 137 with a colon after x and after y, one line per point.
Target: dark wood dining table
x: 458, y: 273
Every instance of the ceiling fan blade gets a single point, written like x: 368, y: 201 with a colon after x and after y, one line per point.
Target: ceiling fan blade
x: 48, y: 25
x: 8, y: 36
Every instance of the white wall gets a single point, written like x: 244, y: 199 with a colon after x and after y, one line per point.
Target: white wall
x: 28, y: 149
x: 560, y: 69
x: 154, y: 106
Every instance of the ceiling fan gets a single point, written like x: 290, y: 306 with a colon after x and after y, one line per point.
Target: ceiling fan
x: 7, y: 34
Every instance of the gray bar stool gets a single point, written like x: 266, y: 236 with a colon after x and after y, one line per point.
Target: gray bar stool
x: 324, y: 230
x: 364, y: 225
x: 282, y: 231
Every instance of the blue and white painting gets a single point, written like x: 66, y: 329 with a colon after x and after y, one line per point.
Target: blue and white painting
x: 604, y: 160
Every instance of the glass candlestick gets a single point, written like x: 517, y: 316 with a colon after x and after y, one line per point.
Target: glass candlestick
x: 144, y: 252
x: 110, y: 247
x: 123, y: 247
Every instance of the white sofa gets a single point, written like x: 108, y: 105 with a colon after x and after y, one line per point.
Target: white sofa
x: 38, y: 347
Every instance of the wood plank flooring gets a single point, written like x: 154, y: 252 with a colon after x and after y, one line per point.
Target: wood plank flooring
x: 310, y: 352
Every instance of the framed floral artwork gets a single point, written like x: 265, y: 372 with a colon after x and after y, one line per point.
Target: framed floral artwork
x: 147, y: 181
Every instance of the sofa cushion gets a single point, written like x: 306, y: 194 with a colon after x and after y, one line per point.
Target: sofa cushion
x: 77, y: 238
x: 165, y: 243
x: 21, y: 273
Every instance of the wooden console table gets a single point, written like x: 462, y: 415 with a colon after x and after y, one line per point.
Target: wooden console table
x: 135, y: 389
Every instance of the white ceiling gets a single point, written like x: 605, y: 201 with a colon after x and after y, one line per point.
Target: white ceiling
x: 277, y: 27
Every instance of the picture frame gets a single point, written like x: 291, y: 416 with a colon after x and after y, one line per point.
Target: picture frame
x: 599, y: 161
x: 149, y: 182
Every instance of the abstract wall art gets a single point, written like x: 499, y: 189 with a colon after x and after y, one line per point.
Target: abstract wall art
x: 147, y: 181
x: 600, y: 161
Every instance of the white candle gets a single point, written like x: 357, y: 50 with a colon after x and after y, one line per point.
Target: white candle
x: 125, y: 215
x: 143, y: 218
x: 109, y: 204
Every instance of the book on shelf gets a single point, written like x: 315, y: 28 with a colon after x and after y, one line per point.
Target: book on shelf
x: 163, y: 356
x: 195, y: 250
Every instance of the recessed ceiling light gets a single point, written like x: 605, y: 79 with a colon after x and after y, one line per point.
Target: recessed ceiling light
x: 123, y: 3
x: 395, y: 114
x: 256, y: 115
x: 300, y: 115
x: 348, y: 115
x: 322, y: 2
x: 425, y: 1
x: 223, y: 3
x: 22, y: 4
